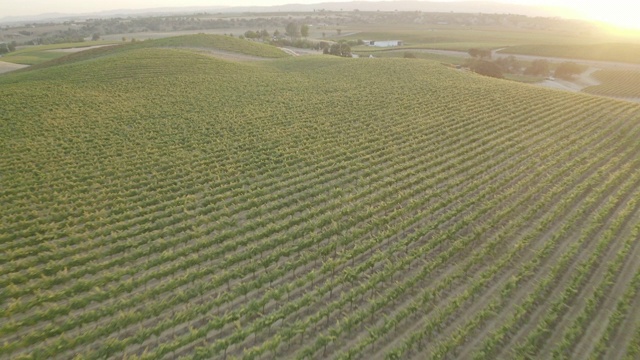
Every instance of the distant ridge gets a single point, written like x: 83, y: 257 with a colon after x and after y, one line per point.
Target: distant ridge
x: 427, y: 6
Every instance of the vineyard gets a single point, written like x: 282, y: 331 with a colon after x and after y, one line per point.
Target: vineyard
x: 199, y: 42
x: 159, y: 203
x: 617, y: 83
x: 32, y: 55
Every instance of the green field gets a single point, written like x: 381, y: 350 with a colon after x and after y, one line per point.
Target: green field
x: 365, y: 51
x: 226, y: 43
x: 617, y: 83
x: 32, y: 55
x: 458, y: 37
x: 162, y: 203
x: 39, y: 55
x: 598, y: 46
x: 622, y: 52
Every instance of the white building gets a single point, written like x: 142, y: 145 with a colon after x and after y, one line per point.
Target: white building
x: 384, y: 43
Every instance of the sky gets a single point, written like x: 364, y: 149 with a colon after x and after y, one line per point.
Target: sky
x: 617, y: 12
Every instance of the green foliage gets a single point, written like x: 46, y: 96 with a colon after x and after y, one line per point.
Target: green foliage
x: 148, y: 191
x: 480, y: 53
x: 292, y: 30
x: 304, y: 30
x: 509, y: 64
x: 395, y: 53
x: 195, y: 42
x: 227, y: 43
x: 567, y: 70
x: 620, y: 83
x: 250, y: 34
x: 486, y: 68
x: 34, y: 58
x: 538, y: 68
x: 38, y: 54
x: 339, y: 49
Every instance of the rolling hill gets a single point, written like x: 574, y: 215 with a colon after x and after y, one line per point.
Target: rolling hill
x: 164, y: 203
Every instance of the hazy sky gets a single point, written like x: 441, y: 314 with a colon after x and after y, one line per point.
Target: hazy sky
x: 614, y: 11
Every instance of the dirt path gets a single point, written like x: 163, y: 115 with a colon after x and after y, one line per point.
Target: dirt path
x: 299, y: 51
x: 289, y: 51
x: 7, y: 66
x: 349, y: 33
x: 77, y: 49
x: 579, y: 83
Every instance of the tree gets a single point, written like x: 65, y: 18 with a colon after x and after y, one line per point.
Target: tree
x: 12, y: 46
x: 480, y: 53
x: 276, y: 33
x: 4, y: 48
x: 324, y: 46
x: 566, y: 70
x: 95, y: 37
x: 339, y: 49
x: 509, y: 64
x: 486, y: 68
x: 538, y: 68
x: 304, y: 30
x: 292, y: 30
x: 250, y: 34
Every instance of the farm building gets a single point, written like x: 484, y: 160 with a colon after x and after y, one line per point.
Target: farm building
x: 384, y: 43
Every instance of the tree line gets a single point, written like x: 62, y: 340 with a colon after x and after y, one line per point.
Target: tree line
x: 481, y: 62
x: 296, y: 35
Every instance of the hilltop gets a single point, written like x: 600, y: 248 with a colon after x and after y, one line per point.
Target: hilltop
x: 455, y: 6
x: 217, y: 45
x: 162, y: 202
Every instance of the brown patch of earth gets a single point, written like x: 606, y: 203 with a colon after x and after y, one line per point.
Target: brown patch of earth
x: 78, y: 49
x: 7, y: 66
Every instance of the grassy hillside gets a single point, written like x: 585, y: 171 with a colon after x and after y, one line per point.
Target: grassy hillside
x: 32, y: 55
x: 227, y: 43
x: 161, y: 203
x: 198, y: 42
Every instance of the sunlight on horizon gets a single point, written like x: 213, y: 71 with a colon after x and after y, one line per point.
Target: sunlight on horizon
x: 617, y: 16
x: 617, y: 13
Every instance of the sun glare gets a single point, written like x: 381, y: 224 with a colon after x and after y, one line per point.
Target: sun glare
x: 620, y: 17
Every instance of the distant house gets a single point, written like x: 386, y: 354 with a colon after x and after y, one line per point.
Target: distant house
x: 384, y: 43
